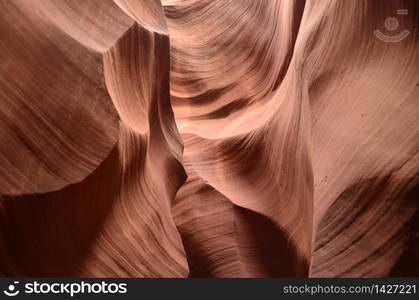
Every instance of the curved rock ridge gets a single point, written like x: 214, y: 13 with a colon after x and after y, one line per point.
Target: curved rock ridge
x: 97, y: 25
x: 57, y: 121
x: 227, y: 58
x: 363, y: 93
x: 209, y: 138
x: 225, y: 240
x: 117, y: 222
x: 147, y: 13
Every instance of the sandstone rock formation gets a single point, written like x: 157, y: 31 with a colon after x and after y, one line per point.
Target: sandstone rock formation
x: 209, y: 138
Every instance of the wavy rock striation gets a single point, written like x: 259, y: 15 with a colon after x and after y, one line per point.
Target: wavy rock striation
x: 211, y: 138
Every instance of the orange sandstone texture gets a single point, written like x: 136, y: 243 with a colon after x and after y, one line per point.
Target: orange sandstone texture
x: 211, y: 138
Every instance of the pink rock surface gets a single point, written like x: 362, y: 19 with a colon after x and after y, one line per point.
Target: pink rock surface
x: 211, y: 138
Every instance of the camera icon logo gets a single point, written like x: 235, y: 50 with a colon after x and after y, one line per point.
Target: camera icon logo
x: 11, y: 289
x: 392, y: 24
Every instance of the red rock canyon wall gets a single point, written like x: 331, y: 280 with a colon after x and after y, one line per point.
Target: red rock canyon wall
x: 211, y: 138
